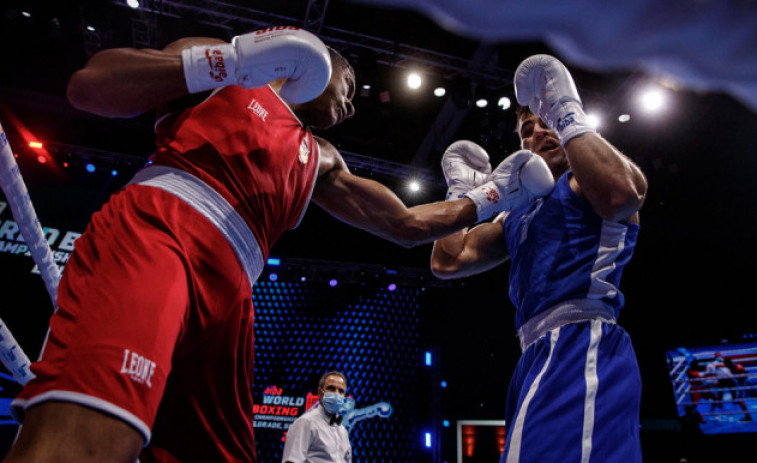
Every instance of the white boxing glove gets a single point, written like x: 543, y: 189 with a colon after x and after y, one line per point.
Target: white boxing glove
x: 465, y: 166
x: 256, y: 58
x: 518, y: 180
x: 544, y: 84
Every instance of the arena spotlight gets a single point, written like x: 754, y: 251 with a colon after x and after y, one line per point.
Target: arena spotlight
x: 90, y: 168
x: 652, y: 100
x: 481, y: 102
x: 26, y: 14
x: 114, y: 172
x: 440, y: 91
x: 624, y: 118
x: 133, y: 3
x: 41, y: 159
x: 90, y: 28
x: 594, y: 119
x: 332, y: 282
x: 273, y: 277
x: 504, y: 103
x: 391, y: 287
x: 414, y: 186
x: 414, y: 80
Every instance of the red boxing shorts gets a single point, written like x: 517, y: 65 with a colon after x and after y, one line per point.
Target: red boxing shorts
x: 154, y: 287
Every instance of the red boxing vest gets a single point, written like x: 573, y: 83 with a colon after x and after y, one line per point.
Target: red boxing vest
x: 249, y: 146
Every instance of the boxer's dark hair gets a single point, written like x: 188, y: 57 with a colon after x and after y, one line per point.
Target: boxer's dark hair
x: 521, y: 112
x: 337, y: 60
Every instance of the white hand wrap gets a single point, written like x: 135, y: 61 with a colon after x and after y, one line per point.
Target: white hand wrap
x: 545, y: 85
x: 519, y: 180
x: 254, y: 59
x: 465, y: 166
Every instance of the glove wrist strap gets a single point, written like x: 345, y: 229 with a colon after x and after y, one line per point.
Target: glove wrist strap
x: 486, y: 198
x: 207, y: 67
x: 455, y: 193
x: 568, y: 120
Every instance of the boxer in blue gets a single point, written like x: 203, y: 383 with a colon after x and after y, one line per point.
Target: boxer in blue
x: 575, y: 394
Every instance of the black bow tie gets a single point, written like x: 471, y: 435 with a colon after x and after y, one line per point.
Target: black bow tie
x: 335, y: 420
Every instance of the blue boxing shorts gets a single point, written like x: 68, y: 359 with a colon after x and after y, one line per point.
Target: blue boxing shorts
x: 575, y: 397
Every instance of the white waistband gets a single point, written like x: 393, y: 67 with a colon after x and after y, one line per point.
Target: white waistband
x: 212, y: 206
x: 577, y: 310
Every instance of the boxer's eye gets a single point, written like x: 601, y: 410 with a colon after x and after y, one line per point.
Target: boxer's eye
x: 527, y: 129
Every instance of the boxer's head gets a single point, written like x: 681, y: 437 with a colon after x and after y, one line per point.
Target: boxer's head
x: 535, y: 136
x: 334, y: 105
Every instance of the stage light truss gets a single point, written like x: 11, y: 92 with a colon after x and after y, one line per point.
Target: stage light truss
x: 238, y: 19
x: 398, y: 170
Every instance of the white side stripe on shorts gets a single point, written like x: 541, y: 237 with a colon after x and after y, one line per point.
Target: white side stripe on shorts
x: 592, y: 384
x: 513, y: 453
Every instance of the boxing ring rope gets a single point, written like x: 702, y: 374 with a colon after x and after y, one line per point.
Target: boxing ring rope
x: 13, y: 186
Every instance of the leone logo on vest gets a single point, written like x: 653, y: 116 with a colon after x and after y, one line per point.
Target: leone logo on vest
x: 139, y: 368
x: 258, y: 109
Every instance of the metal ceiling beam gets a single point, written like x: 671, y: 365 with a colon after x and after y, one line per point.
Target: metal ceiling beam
x: 142, y: 32
x: 315, y: 15
x: 238, y: 18
x: 392, y: 169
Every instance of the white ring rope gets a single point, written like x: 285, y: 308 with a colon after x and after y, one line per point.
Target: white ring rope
x: 18, y: 198
x: 13, y: 357
x: 23, y: 212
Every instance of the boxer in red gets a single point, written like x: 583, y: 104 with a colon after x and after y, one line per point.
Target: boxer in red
x: 150, y: 354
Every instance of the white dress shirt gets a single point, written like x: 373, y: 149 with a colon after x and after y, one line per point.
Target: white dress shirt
x: 311, y: 439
